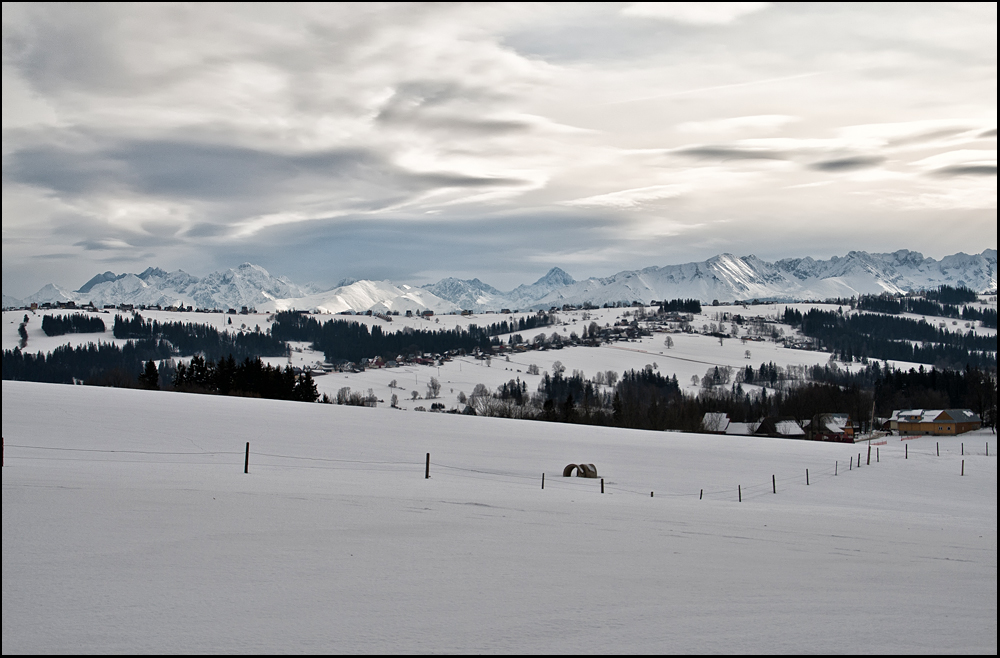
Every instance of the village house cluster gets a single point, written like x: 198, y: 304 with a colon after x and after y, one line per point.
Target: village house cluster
x: 841, y: 428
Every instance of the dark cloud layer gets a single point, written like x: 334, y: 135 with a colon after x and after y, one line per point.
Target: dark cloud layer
x: 724, y: 153
x: 967, y: 170
x: 212, y: 172
x: 848, y: 164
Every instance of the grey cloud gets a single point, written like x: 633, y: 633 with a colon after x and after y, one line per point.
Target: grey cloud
x: 206, y: 230
x: 731, y: 153
x: 211, y: 172
x: 69, y: 45
x: 966, y: 170
x: 928, y: 136
x: 848, y: 164
x: 445, y: 106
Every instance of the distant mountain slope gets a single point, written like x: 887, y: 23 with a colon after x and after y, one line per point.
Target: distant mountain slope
x: 724, y: 277
x: 361, y: 296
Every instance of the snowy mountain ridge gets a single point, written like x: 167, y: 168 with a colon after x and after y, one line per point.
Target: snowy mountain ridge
x: 724, y: 277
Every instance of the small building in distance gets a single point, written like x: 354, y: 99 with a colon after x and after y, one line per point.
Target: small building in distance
x: 940, y: 422
x: 780, y: 427
x: 835, y: 427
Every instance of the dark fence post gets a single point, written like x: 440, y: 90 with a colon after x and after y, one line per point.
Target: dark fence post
x: 774, y: 485
x: 602, y: 485
x: 246, y: 462
x: 807, y: 477
x: 427, y: 467
x: 739, y: 491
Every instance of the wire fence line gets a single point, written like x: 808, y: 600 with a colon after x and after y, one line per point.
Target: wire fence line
x: 751, y: 491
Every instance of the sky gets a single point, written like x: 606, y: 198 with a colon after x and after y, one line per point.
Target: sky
x: 414, y: 142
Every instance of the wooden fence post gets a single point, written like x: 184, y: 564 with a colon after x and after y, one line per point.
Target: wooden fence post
x: 543, y: 480
x: 835, y: 465
x: 701, y: 494
x: 937, y: 448
x: 869, y: 463
x: 739, y: 491
x: 602, y: 485
x: 774, y: 485
x: 807, y: 477
x: 963, y: 468
x: 246, y: 461
x: 427, y: 467
x: 906, y: 451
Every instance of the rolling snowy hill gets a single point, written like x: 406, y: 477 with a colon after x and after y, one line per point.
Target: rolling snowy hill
x: 130, y: 527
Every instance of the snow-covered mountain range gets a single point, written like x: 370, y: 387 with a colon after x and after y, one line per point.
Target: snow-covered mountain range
x: 724, y: 277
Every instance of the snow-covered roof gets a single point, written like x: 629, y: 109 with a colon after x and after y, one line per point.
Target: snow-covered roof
x: 932, y: 415
x: 788, y: 428
x: 715, y: 421
x: 739, y: 429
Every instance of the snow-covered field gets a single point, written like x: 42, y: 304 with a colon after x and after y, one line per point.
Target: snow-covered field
x: 129, y: 526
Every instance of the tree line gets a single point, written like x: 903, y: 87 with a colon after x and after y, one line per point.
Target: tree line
x: 647, y: 399
x: 886, y: 303
x: 77, y: 323
x: 191, y: 338
x: 348, y: 340
x: 248, y: 378
x: 862, y: 336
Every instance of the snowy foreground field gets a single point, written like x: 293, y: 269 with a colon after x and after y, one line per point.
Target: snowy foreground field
x: 129, y: 526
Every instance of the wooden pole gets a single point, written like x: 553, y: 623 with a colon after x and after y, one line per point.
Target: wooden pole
x: 739, y: 491
x: 876, y: 455
x: 906, y: 451
x: 246, y: 461
x: 937, y: 447
x: 701, y: 494
x: 602, y: 485
x: 963, y: 448
x: 963, y: 468
x: 869, y: 463
x: 427, y: 468
x: 835, y: 465
x: 774, y: 485
x: 650, y: 494
x: 543, y: 480
x: 859, y: 460
x: 807, y: 477
x: 850, y: 466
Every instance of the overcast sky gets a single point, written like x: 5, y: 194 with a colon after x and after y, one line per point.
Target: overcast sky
x: 413, y: 142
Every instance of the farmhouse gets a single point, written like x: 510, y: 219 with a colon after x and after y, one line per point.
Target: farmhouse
x: 934, y: 421
x: 835, y: 427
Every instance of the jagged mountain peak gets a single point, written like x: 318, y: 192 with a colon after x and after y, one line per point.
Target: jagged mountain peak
x: 556, y: 276
x: 151, y: 272
x: 97, y: 279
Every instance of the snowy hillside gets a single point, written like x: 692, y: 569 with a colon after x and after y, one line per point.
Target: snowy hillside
x: 129, y: 526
